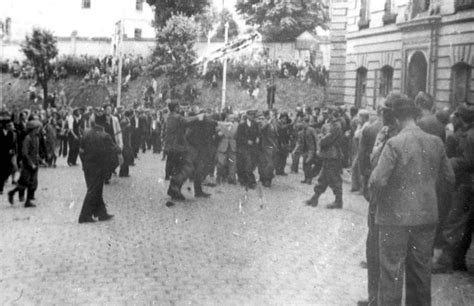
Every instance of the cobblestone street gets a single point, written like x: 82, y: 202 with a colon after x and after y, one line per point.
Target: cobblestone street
x: 261, y: 247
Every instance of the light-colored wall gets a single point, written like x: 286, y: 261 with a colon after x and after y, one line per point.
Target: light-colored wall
x: 62, y: 17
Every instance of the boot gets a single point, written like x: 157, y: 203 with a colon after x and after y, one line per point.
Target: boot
x: 337, y: 203
x: 198, y: 193
x: 313, y: 201
x: 11, y: 195
x: 21, y: 195
x: 175, y: 193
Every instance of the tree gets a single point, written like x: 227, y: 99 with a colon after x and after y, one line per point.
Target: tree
x: 226, y: 16
x: 284, y: 20
x: 174, y: 54
x: 206, y: 21
x: 164, y: 9
x: 40, y: 48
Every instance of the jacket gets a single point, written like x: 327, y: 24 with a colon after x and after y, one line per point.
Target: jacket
x: 226, y: 131
x: 463, y: 162
x: 331, y: 142
x: 431, y: 125
x: 366, y: 144
x: 413, y: 166
x: 97, y: 149
x: 30, y: 150
x: 245, y: 134
x: 175, y: 140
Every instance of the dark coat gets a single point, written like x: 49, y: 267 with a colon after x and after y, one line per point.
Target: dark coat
x: 30, y: 150
x: 97, y: 149
x: 366, y: 144
x: 431, y: 125
x: 330, y: 145
x: 176, y: 125
x: 246, y: 134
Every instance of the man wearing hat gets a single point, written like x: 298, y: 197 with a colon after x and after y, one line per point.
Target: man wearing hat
x: 268, y: 146
x: 96, y: 151
x: 458, y: 227
x: 412, y: 166
x: 30, y: 160
x: 284, y: 131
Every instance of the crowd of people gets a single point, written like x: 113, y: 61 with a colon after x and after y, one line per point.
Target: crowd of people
x: 414, y: 165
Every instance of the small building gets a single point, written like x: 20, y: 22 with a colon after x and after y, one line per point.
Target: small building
x: 407, y: 46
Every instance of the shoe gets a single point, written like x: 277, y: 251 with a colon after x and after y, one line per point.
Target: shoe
x: 21, y: 198
x: 363, y: 265
x: 1, y: 192
x: 460, y: 266
x: 29, y: 204
x: 86, y: 220
x: 362, y: 303
x: 334, y: 205
x: 306, y: 182
x: 232, y: 182
x: 313, y: 201
x: 10, y: 197
x: 252, y: 186
x: 267, y: 184
x: 202, y: 195
x: 175, y: 194
x: 107, y: 182
x: 106, y: 217
x: 439, y: 268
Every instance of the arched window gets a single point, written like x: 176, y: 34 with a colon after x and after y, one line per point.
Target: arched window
x: 386, y: 81
x: 461, y: 83
x: 361, y: 88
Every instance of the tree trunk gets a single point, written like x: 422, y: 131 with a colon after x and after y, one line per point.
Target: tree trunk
x: 44, y: 84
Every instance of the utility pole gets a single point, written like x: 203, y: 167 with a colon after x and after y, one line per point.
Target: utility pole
x: 224, y: 72
x: 119, y: 52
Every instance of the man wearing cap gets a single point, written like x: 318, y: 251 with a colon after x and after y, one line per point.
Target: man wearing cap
x: 30, y: 160
x: 412, y: 166
x: 329, y: 150
x: 459, y: 225
x: 96, y: 150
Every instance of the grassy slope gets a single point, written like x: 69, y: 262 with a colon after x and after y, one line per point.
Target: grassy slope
x: 289, y: 94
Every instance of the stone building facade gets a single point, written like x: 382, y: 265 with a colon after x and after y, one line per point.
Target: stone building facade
x: 407, y: 46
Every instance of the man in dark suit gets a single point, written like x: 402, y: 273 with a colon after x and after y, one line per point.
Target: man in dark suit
x: 267, y: 148
x: 96, y: 151
x: 284, y: 132
x: 413, y: 164
x: 247, y: 150
x: 306, y: 145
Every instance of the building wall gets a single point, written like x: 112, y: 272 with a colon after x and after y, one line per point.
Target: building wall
x: 63, y: 17
x: 444, y: 36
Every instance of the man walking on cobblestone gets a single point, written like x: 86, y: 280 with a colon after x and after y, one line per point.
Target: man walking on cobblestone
x: 96, y: 151
x: 30, y: 161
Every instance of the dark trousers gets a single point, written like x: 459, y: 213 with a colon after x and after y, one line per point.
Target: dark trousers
x: 280, y: 160
x: 265, y: 165
x: 156, y: 142
x: 246, y: 164
x: 28, y: 181
x: 226, y: 165
x: 405, y: 252
x: 311, y: 166
x: 458, y: 226
x: 172, y: 161
x: 93, y: 202
x: 5, y: 171
x: 182, y: 168
x: 63, y: 146
x: 372, y: 255
x: 330, y: 176
x: 295, y: 162
x: 355, y: 179
x: 73, y: 150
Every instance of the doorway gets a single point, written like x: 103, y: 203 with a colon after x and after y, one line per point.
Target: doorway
x: 417, y: 74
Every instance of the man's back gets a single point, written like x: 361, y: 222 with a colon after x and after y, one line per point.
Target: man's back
x: 412, y: 166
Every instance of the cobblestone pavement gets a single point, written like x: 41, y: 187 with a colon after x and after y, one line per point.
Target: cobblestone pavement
x: 261, y: 247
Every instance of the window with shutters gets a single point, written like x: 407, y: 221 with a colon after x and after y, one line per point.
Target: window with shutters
x: 386, y: 81
x: 461, y: 83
